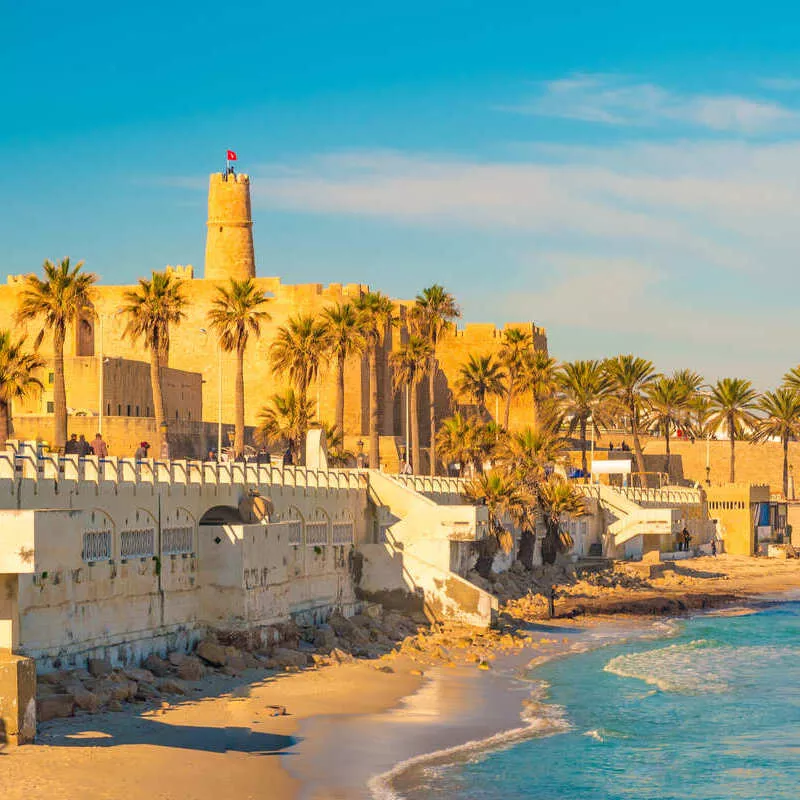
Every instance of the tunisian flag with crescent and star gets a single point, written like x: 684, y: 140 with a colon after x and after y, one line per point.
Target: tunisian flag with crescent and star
x: 231, y: 155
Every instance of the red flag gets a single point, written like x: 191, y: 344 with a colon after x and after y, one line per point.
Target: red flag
x: 231, y: 155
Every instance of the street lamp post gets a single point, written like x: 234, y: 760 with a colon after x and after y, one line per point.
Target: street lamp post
x: 591, y: 463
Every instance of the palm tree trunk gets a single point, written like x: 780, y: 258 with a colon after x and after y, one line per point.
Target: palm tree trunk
x: 584, y: 465
x: 637, y: 448
x: 785, y: 465
x: 415, y: 448
x: 340, y: 396
x: 374, y: 433
x: 5, y: 420
x: 158, y: 397
x: 59, y: 392
x: 509, y: 395
x: 432, y: 411
x: 733, y: 452
x: 238, y: 415
x: 666, y: 448
x: 302, y: 421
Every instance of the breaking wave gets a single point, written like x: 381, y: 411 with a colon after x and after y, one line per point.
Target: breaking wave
x: 700, y: 666
x: 541, y: 718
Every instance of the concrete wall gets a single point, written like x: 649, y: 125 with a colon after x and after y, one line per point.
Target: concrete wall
x: 414, y: 554
x: 733, y: 508
x: 121, y: 564
x: 127, y: 391
x: 123, y: 434
x: 760, y: 463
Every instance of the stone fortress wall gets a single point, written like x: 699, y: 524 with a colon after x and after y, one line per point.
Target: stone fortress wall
x: 229, y: 253
x: 121, y: 558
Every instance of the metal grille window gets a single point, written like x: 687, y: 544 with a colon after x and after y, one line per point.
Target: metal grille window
x: 343, y: 533
x: 137, y: 543
x: 176, y: 540
x: 316, y: 533
x: 295, y: 532
x: 96, y: 546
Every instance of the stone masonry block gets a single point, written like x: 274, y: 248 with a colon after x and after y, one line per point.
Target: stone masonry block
x: 17, y: 699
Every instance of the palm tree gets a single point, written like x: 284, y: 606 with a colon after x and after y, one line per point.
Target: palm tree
x: 285, y: 421
x: 668, y: 401
x: 781, y: 410
x: 526, y: 454
x: 296, y: 353
x: 691, y: 383
x: 516, y: 343
x: 792, y: 378
x: 150, y: 310
x: 410, y: 363
x: 344, y: 340
x: 57, y: 301
x: 17, y: 379
x: 502, y: 497
x: 434, y: 314
x: 584, y: 389
x: 731, y: 403
x: 556, y: 497
x: 454, y: 440
x: 629, y: 376
x: 237, y: 313
x: 480, y: 377
x: 469, y: 441
x: 538, y: 377
x: 375, y: 315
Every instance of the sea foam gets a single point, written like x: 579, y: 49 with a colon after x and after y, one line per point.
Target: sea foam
x: 697, y: 667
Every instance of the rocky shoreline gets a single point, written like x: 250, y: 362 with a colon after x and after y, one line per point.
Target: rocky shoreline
x: 382, y: 637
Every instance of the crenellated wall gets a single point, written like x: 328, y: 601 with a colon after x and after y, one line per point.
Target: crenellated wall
x: 120, y: 558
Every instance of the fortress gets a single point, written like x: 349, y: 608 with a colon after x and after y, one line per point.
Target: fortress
x: 108, y: 383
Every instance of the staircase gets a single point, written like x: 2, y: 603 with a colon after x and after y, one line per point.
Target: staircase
x: 631, y: 518
x: 421, y: 547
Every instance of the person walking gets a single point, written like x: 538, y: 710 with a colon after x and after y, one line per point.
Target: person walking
x: 141, y: 451
x: 687, y: 538
x: 714, y: 548
x: 99, y: 446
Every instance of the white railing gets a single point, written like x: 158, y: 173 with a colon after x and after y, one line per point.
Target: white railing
x: 426, y: 484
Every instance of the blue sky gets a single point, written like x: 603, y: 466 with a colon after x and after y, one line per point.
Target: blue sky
x: 627, y: 176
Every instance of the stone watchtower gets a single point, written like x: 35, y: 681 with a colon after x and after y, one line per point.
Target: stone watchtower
x: 229, y: 240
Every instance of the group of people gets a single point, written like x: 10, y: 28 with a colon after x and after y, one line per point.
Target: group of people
x: 78, y: 446
x: 623, y: 447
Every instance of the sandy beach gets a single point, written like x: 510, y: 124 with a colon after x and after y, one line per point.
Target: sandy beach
x: 345, y: 724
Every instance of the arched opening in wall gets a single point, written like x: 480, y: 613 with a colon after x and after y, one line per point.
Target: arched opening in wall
x: 222, y: 515
x: 84, y: 338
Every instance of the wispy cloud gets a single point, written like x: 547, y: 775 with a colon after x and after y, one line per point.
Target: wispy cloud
x: 614, y: 100
x: 781, y: 84
x: 728, y: 206
x: 682, y: 242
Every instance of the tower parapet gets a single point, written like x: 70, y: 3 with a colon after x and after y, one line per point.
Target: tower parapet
x: 229, y: 239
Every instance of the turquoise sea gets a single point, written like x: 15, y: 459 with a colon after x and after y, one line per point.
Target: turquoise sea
x: 711, y: 713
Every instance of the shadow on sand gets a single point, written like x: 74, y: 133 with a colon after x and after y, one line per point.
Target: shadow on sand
x: 108, y: 733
